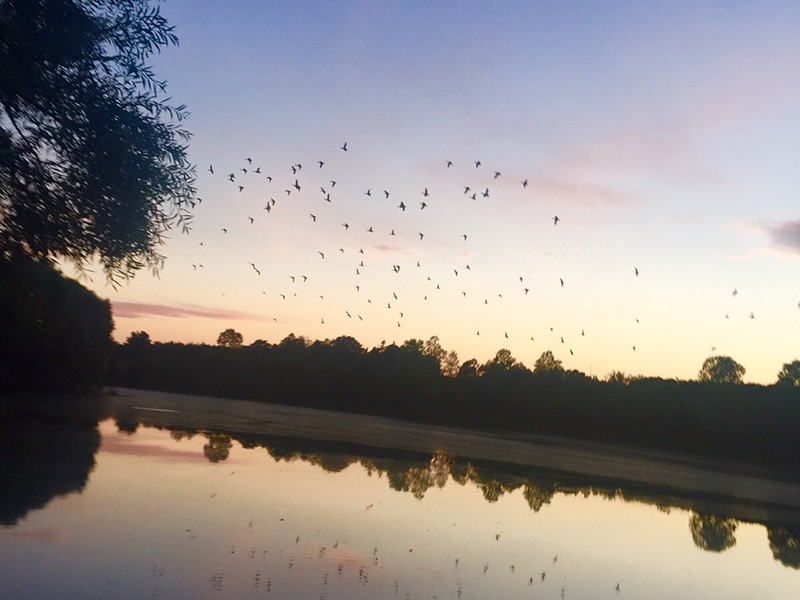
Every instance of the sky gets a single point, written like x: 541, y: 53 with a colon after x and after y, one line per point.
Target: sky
x: 664, y: 136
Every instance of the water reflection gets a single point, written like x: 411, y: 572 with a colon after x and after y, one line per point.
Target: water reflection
x: 48, y: 455
x: 45, y: 454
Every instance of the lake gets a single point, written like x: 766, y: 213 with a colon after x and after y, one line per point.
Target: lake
x: 150, y: 495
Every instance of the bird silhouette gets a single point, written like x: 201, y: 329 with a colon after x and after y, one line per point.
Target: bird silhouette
x: 211, y: 169
x: 556, y: 220
x: 320, y: 163
x: 344, y: 146
x: 524, y: 183
x: 449, y: 163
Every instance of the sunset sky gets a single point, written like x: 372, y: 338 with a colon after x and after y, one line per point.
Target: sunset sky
x: 664, y: 136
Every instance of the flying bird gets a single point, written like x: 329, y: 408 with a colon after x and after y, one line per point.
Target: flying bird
x: 556, y: 220
x: 211, y: 169
x: 449, y: 163
x: 524, y: 183
x: 320, y: 163
x: 344, y: 146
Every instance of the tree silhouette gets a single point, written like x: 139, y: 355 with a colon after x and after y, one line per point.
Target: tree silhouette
x: 547, y: 363
x: 450, y: 364
x: 790, y: 374
x: 618, y: 377
x: 92, y: 158
x: 230, y: 338
x: 721, y: 369
x: 712, y: 533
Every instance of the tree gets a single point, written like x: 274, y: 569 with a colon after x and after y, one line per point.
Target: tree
x: 450, y: 364
x: 790, y: 374
x: 230, y: 338
x: 721, y: 369
x: 55, y: 335
x: 93, y: 159
x: 469, y: 368
x: 547, y: 363
x: 619, y: 378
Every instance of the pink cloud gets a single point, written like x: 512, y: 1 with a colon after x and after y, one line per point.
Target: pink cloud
x: 135, y: 310
x: 47, y: 535
x: 785, y: 236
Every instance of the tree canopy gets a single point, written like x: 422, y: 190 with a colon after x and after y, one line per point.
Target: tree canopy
x: 721, y: 369
x: 93, y: 160
x: 230, y: 338
x: 790, y: 374
x: 548, y: 363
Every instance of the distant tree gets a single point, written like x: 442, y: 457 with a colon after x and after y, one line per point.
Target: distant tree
x: 503, y: 359
x: 790, y: 374
x: 712, y: 533
x: 433, y: 348
x: 469, y: 368
x: 260, y: 343
x: 721, y: 369
x: 347, y: 345
x: 138, y: 340
x: 450, y: 364
x: 230, y: 338
x: 547, y: 363
x: 93, y: 161
x: 618, y: 377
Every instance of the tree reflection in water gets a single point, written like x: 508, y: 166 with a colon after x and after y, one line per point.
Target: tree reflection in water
x: 45, y: 456
x: 416, y: 474
x: 712, y: 533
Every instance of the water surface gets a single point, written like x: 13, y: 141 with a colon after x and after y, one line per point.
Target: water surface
x: 127, y: 502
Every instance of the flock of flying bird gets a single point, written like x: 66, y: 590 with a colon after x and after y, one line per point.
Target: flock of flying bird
x: 312, y: 189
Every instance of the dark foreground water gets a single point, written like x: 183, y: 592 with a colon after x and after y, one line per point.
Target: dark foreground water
x: 134, y: 498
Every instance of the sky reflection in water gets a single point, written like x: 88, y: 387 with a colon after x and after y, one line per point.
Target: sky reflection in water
x: 158, y: 520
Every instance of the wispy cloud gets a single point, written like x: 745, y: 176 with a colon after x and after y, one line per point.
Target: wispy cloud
x: 136, y: 310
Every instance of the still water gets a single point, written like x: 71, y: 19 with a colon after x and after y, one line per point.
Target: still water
x: 129, y: 499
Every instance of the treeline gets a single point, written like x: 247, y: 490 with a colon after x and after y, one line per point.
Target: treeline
x: 419, y: 381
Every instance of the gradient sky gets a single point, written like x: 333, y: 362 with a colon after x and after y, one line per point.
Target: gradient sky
x: 665, y: 136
